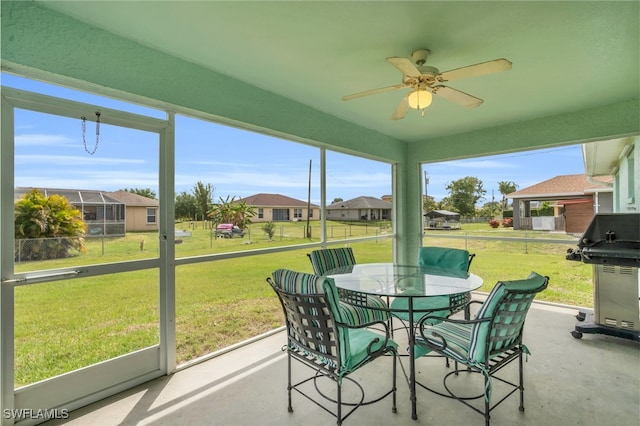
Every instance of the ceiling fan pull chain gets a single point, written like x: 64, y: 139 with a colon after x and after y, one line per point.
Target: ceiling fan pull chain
x: 84, y: 133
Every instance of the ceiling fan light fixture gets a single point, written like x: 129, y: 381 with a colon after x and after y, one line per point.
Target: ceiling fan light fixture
x: 420, y: 99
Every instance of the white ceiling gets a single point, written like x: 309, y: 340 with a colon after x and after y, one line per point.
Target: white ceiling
x: 567, y: 56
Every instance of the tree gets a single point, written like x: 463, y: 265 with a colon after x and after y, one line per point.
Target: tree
x: 429, y: 203
x: 232, y: 211
x: 445, y: 204
x: 145, y: 192
x: 186, y: 206
x: 506, y: 187
x: 45, y: 218
x: 337, y: 200
x: 465, y: 193
x: 204, y: 196
x: 490, y: 209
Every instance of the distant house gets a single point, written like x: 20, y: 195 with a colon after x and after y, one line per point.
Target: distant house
x: 576, y: 199
x: 360, y: 208
x: 278, y: 208
x: 141, y: 213
x: 103, y: 214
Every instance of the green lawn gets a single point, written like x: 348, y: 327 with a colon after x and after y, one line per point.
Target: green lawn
x: 65, y: 325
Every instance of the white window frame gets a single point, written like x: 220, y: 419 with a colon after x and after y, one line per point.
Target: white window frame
x: 153, y: 214
x: 76, y: 388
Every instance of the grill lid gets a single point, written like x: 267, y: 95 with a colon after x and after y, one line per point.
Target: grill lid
x: 611, y: 238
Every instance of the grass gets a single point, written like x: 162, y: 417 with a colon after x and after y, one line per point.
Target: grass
x: 65, y: 325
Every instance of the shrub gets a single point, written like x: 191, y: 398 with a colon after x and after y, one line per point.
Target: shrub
x: 494, y: 223
x: 53, y: 226
x: 507, y: 223
x: 269, y: 228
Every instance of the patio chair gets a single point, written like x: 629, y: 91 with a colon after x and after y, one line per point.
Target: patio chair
x: 488, y: 342
x: 439, y: 261
x: 321, y: 335
x: 368, y: 308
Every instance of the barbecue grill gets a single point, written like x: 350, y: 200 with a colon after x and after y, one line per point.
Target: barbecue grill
x: 611, y: 244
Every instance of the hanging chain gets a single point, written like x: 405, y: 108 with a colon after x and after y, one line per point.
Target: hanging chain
x: 84, y: 133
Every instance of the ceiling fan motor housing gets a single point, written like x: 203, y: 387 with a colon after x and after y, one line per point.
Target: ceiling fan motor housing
x: 420, y: 56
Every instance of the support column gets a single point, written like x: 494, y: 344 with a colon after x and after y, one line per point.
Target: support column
x: 407, y: 210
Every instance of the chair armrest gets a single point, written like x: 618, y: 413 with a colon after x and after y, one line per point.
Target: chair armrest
x: 363, y: 325
x: 387, y: 336
x: 467, y: 308
x: 424, y: 326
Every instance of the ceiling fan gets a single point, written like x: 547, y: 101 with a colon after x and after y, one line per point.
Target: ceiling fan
x: 424, y: 80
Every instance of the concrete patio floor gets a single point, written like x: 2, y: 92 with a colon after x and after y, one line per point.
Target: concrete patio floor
x: 592, y: 381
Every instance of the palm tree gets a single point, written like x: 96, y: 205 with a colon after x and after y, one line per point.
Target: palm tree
x: 506, y: 187
x: 203, y: 195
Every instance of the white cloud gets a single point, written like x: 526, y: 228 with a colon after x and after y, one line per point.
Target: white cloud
x: 109, y: 180
x: 36, y: 139
x: 73, y: 160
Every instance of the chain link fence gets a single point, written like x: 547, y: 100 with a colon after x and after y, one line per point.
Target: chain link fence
x: 32, y: 249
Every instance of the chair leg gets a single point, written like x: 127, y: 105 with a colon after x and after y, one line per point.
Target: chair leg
x: 521, y: 374
x: 339, y: 408
x: 395, y: 363
x: 290, y: 408
x: 487, y: 402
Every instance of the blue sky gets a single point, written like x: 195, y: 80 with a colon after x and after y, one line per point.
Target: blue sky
x: 50, y: 152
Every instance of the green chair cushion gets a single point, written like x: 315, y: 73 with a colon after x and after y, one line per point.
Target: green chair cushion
x: 359, y: 341
x: 435, y: 305
x: 326, y: 259
x: 488, y: 310
x: 294, y: 282
x: 532, y: 282
x: 444, y: 261
x: 353, y: 343
x: 376, y: 310
x: 457, y: 336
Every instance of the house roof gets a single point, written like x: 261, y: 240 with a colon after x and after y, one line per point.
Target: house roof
x: 133, y: 200
x: 565, y: 186
x: 363, y: 202
x: 75, y: 196
x: 274, y: 200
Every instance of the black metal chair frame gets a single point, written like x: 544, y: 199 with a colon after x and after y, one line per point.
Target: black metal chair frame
x: 495, y: 359
x: 311, y: 324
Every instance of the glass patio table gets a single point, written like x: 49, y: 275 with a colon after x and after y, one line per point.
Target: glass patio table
x: 408, y: 281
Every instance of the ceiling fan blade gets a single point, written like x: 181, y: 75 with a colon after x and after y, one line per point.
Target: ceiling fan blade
x: 405, y: 65
x: 401, y: 109
x: 457, y: 96
x: 497, y: 65
x: 373, y: 92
